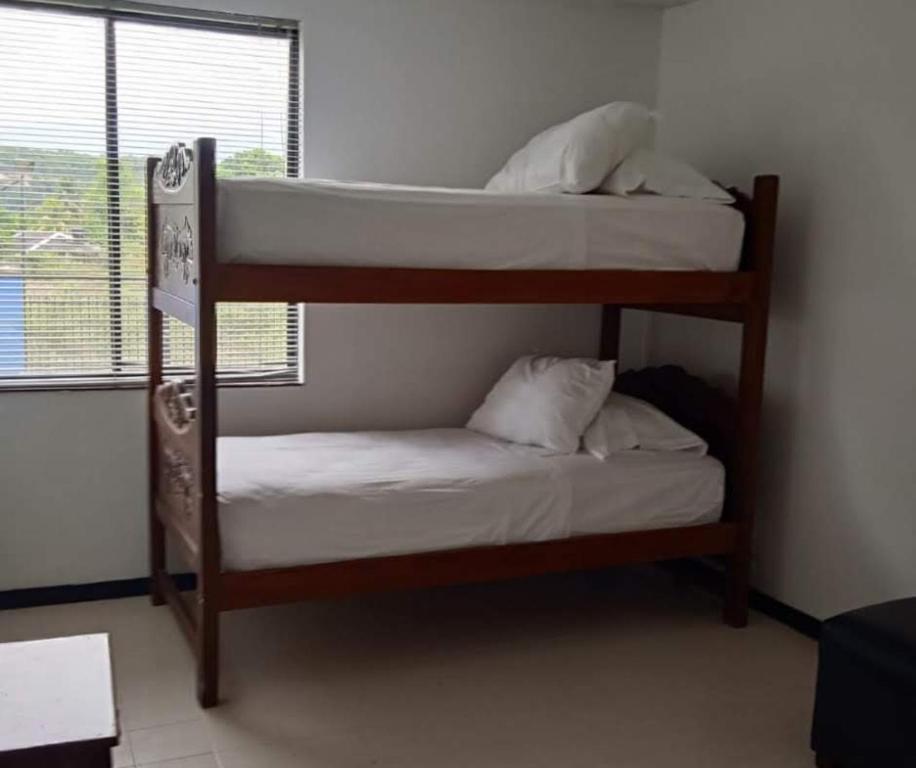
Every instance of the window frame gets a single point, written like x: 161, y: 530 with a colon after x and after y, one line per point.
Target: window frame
x: 168, y: 16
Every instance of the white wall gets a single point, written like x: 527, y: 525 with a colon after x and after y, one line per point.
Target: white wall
x: 420, y: 91
x: 818, y: 91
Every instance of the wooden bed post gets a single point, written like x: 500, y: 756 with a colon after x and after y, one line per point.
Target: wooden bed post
x: 610, y: 333
x: 208, y: 575
x: 759, y: 259
x: 181, y: 243
x: 154, y: 363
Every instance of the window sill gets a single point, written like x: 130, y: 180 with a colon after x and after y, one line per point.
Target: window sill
x: 105, y: 386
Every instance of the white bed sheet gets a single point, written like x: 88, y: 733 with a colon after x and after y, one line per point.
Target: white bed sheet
x: 324, y: 497
x: 325, y: 223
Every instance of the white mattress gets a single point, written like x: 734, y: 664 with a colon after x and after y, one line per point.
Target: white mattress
x: 325, y: 223
x: 323, y: 497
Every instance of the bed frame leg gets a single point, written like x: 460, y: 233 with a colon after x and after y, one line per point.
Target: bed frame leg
x: 209, y: 589
x: 154, y: 360
x: 207, y: 655
x: 156, y: 557
x: 737, y: 591
x: 759, y: 257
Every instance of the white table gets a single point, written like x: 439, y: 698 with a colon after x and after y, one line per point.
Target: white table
x: 57, y: 704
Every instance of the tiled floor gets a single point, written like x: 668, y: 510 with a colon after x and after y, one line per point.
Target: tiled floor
x: 624, y: 670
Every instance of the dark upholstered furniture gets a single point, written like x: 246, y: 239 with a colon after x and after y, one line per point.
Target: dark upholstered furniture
x: 865, y: 714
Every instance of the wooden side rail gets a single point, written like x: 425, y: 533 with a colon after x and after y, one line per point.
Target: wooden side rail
x: 247, y: 589
x: 394, y: 285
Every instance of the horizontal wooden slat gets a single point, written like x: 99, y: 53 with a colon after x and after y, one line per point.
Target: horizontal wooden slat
x: 378, y: 285
x: 245, y: 589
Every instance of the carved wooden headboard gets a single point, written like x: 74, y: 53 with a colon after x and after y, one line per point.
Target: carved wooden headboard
x: 690, y: 401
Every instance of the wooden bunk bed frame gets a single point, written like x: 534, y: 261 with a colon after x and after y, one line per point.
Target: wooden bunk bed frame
x: 186, y: 281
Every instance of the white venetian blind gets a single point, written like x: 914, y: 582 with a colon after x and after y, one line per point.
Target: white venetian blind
x: 85, y: 96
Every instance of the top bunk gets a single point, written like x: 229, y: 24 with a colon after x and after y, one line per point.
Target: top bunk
x: 334, y: 242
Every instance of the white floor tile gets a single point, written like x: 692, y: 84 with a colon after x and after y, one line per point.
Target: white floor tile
x: 121, y: 756
x: 201, y: 761
x: 259, y: 757
x: 198, y: 761
x: 157, y: 698
x: 168, y: 742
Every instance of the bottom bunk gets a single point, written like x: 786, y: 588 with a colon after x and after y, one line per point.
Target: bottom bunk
x: 308, y: 516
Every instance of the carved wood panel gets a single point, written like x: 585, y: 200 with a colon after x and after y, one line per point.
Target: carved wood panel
x: 173, y: 180
x: 178, y: 487
x: 177, y: 483
x: 177, y: 251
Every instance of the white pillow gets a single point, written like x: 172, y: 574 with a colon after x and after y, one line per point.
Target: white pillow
x: 611, y: 431
x: 625, y: 423
x: 647, y: 171
x: 576, y: 155
x: 545, y: 401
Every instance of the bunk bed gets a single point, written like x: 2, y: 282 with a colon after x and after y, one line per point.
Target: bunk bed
x: 193, y: 265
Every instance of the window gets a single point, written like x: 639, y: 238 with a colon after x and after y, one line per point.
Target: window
x: 87, y: 95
